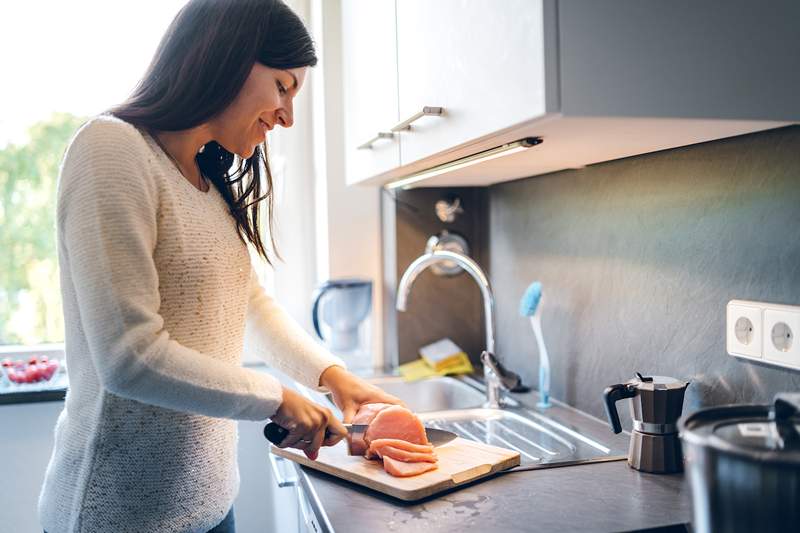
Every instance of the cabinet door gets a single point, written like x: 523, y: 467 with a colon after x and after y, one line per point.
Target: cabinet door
x: 481, y: 60
x: 369, y: 58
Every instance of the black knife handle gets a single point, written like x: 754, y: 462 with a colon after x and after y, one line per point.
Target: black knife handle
x: 275, y: 433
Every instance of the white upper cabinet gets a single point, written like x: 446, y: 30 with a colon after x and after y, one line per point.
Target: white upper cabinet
x: 592, y: 81
x: 481, y: 61
x: 369, y: 45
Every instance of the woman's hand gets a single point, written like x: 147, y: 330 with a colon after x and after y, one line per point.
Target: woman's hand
x: 307, y: 423
x: 351, y: 392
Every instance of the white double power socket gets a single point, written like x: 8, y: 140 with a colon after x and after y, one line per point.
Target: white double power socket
x: 764, y: 332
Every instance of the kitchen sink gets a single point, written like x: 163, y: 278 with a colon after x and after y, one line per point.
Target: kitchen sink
x: 434, y: 394
x: 556, y: 437
x: 540, y: 440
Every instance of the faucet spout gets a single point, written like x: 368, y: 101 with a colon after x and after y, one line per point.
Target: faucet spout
x: 472, y: 268
x: 493, y: 382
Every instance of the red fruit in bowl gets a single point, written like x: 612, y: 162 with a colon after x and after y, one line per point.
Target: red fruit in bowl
x: 43, y: 359
x: 32, y: 374
x: 32, y: 360
x: 14, y: 376
x: 7, y: 362
x: 50, y: 369
x: 42, y: 367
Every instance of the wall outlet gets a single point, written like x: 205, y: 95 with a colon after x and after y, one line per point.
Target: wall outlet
x: 781, y: 325
x: 744, y: 330
x: 764, y: 331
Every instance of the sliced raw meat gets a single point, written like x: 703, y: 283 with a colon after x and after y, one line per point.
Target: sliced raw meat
x: 368, y: 411
x: 401, y: 469
x: 399, y: 454
x: 375, y: 445
x: 365, y: 414
x: 396, y: 422
x: 405, y: 445
x: 395, y: 435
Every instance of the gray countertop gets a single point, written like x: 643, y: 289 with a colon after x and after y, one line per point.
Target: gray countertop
x: 606, y: 496
x: 593, y: 497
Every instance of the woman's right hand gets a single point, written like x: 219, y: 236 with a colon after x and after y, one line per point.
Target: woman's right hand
x: 307, y: 423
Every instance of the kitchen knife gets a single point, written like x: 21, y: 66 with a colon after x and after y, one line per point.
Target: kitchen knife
x: 275, y: 433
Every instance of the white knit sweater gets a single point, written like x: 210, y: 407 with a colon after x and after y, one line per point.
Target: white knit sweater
x: 157, y: 290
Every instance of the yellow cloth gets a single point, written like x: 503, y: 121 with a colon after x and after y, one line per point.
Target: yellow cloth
x: 420, y: 369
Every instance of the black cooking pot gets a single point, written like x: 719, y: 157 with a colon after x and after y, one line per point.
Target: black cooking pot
x: 743, y: 465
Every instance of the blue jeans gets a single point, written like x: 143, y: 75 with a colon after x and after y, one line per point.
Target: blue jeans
x: 228, y: 524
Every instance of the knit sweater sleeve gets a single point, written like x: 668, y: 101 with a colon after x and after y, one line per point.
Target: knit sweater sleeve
x: 107, y: 227
x: 278, y: 339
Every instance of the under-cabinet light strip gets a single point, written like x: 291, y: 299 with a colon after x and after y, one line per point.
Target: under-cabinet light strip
x: 474, y: 159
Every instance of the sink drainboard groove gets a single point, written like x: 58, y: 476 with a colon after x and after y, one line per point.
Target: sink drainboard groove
x: 571, y: 432
x: 464, y: 431
x: 572, y: 448
x: 507, y: 429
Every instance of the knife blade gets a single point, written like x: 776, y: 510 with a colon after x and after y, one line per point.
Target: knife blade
x: 437, y: 437
x: 275, y: 433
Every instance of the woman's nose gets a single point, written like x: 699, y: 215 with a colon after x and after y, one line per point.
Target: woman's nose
x: 286, y: 117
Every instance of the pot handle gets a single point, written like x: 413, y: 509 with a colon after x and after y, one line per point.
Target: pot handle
x: 786, y: 406
x: 611, y: 396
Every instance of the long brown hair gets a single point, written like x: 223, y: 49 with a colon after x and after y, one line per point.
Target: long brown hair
x: 200, y: 65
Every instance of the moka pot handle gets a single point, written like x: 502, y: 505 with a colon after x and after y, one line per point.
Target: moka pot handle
x: 611, y: 396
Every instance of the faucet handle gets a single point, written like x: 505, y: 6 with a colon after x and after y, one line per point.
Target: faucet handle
x: 509, y: 380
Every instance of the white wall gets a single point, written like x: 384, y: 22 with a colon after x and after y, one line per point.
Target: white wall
x: 348, y: 218
x: 324, y: 229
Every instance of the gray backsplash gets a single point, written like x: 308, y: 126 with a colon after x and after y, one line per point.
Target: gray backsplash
x: 638, y: 258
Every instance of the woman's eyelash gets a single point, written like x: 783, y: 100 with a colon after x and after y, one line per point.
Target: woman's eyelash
x: 281, y: 88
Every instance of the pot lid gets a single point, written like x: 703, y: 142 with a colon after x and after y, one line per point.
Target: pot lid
x: 657, y: 383
x: 757, y: 432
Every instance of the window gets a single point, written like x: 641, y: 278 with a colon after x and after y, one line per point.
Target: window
x: 67, y: 61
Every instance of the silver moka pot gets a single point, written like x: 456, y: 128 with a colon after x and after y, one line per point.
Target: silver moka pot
x: 656, y: 405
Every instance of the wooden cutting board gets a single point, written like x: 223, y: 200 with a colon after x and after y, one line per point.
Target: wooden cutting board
x: 460, y: 461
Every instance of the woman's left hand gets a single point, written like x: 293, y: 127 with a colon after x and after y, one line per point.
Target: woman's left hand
x: 351, y: 392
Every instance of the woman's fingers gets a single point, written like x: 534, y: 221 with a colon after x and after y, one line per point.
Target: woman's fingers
x: 349, y: 412
x: 312, y: 450
x: 334, y: 431
x: 293, y: 439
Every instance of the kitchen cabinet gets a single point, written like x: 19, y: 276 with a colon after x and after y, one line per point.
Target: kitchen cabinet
x: 483, y: 62
x: 595, y: 81
x: 369, y: 66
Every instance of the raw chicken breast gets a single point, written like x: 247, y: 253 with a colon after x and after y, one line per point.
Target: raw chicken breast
x: 399, y: 454
x: 396, y: 422
x: 405, y: 445
x: 374, y: 447
x: 365, y: 414
x: 401, y: 469
x: 396, y: 436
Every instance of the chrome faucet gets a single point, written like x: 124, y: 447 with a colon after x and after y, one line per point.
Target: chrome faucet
x: 493, y: 372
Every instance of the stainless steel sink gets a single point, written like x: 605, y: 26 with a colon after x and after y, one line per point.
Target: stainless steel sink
x: 541, y: 440
x: 544, y: 439
x: 435, y: 394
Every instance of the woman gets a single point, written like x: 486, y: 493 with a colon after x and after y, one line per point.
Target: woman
x: 153, y: 235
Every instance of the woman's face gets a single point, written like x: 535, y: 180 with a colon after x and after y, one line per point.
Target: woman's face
x: 265, y: 101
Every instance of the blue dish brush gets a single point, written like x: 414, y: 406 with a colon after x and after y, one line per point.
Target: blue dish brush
x: 531, y: 306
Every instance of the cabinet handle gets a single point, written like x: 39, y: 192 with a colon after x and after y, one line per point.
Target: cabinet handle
x: 426, y: 111
x: 381, y: 135
x: 277, y: 469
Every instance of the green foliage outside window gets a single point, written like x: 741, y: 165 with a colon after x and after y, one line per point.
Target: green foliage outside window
x: 30, y: 298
